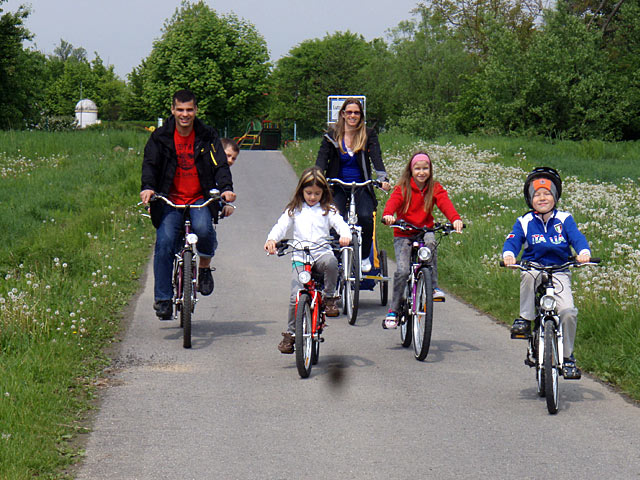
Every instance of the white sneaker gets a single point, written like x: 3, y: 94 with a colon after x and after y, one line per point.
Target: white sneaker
x: 437, y: 293
x: 366, y: 265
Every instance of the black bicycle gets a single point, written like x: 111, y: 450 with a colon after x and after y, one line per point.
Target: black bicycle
x: 545, y: 349
x: 185, y: 265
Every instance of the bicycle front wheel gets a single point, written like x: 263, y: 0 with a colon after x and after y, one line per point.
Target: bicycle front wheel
x: 187, y: 298
x: 304, y: 339
x: 423, y: 316
x: 536, y: 348
x: 551, y: 366
x: 354, y: 280
x: 406, y: 325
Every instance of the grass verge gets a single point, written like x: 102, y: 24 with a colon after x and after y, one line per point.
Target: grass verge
x: 73, y: 248
x: 484, y: 177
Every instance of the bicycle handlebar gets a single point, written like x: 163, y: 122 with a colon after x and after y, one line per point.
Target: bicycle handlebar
x: 294, y: 245
x: 526, y: 265
x: 445, y: 228
x: 215, y: 196
x: 337, y: 181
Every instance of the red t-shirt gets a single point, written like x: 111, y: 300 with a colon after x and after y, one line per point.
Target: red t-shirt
x: 186, y: 188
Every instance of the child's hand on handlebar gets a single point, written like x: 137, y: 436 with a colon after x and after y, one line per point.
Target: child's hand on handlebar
x: 458, y: 226
x: 270, y: 247
x: 509, y: 260
x: 388, y: 219
x: 583, y: 258
x: 344, y: 241
x: 386, y: 186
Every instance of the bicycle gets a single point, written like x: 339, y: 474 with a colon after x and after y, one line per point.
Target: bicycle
x: 309, y: 310
x: 415, y: 316
x: 351, y: 278
x: 185, y: 265
x: 545, y: 351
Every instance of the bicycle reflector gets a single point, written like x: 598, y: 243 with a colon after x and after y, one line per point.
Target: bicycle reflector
x: 192, y: 238
x: 424, y: 254
x: 304, y: 277
x: 548, y: 303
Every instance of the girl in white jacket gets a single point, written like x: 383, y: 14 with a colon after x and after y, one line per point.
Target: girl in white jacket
x: 311, y: 214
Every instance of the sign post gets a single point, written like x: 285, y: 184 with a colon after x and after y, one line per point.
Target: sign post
x: 334, y: 104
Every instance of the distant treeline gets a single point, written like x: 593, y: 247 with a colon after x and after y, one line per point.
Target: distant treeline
x: 456, y: 66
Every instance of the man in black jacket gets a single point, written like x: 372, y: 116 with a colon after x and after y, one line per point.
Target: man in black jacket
x: 183, y: 160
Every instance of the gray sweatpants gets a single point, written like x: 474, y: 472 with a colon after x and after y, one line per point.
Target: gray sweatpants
x: 567, y: 311
x: 402, y: 247
x: 327, y: 265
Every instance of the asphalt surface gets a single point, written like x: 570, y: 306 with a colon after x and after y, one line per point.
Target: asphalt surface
x: 233, y: 407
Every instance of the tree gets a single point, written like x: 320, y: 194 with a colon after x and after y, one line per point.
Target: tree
x: 72, y: 77
x: 422, y: 74
x: 222, y: 59
x: 470, y: 18
x: 314, y: 69
x: 20, y: 71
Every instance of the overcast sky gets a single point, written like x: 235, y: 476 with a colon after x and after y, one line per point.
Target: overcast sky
x: 122, y: 31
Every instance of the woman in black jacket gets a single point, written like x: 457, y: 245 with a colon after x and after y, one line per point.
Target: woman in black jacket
x: 347, y: 152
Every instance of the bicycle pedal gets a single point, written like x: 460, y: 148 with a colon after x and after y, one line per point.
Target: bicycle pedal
x: 440, y: 300
x: 529, y: 362
x: 520, y: 336
x: 321, y: 339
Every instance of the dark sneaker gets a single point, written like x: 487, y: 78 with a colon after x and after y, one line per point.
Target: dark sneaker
x: 164, y: 309
x: 205, y: 281
x: 569, y: 369
x: 521, y: 328
x: 286, y: 345
x: 330, y: 308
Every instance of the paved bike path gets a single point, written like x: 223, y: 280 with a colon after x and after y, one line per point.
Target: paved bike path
x: 233, y: 407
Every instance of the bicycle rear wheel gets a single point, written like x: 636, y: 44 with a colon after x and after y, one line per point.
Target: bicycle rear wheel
x: 304, y: 340
x: 347, y: 260
x: 406, y: 325
x: 354, y: 280
x: 187, y: 298
x: 384, y: 272
x: 423, y: 316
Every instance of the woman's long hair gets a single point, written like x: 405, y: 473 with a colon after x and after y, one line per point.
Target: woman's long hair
x: 360, y: 137
x: 311, y: 177
x: 405, y: 185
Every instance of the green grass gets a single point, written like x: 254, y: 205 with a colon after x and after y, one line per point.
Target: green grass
x: 484, y: 177
x: 73, y: 248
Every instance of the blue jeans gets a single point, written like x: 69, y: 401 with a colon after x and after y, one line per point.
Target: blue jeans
x: 169, y: 242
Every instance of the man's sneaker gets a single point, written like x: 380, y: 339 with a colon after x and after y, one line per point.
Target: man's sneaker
x: 521, y: 328
x: 164, y: 309
x: 438, y: 295
x: 366, y: 265
x: 569, y: 369
x: 205, y: 281
x: 286, y: 345
x: 390, y: 321
x: 330, y: 308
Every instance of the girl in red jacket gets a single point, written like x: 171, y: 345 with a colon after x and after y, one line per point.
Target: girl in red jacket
x: 412, y: 200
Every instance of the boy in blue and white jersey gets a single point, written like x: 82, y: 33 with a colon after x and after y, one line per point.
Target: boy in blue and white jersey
x: 548, y: 236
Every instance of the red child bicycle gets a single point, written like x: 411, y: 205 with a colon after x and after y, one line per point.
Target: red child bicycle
x: 309, y: 310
